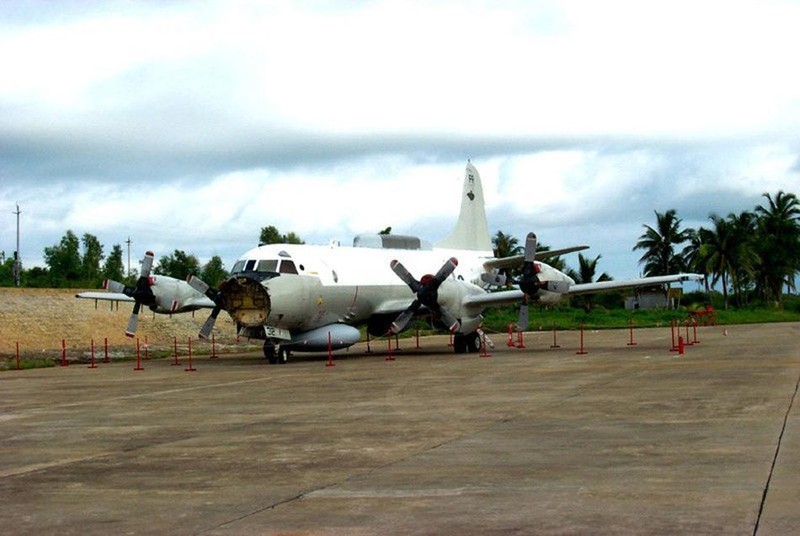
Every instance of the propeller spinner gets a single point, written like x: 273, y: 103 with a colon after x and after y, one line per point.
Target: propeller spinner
x: 426, y: 290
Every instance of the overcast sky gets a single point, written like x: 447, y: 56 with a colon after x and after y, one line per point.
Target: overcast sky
x: 191, y: 125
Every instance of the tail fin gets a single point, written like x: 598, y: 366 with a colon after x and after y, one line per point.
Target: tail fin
x: 471, y: 231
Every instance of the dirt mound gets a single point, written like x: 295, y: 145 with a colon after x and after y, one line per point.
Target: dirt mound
x: 39, y: 319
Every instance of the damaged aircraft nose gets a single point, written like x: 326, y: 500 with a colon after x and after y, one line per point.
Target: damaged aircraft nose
x: 246, y: 300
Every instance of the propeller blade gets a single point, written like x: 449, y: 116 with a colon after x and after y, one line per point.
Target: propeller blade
x: 147, y: 264
x: 133, y: 321
x: 198, y: 284
x: 449, y: 320
x: 405, y: 275
x: 205, y: 331
x: 522, y: 321
x: 530, y: 247
x: 402, y: 321
x: 445, y: 271
x: 114, y: 286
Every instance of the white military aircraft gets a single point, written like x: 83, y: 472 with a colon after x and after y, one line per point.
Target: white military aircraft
x: 312, y: 297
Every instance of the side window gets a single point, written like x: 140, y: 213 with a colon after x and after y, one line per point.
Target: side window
x: 288, y: 267
x: 251, y: 264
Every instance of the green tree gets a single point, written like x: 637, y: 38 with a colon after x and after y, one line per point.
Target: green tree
x: 716, y: 252
x: 587, y: 268
x: 505, y: 245
x: 114, y: 268
x: 90, y: 260
x: 64, y: 261
x: 271, y: 235
x: 214, y: 272
x: 6, y: 271
x: 778, y: 227
x: 659, y: 244
x: 178, y: 265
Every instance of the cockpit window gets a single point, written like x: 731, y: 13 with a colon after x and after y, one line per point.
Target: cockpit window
x: 288, y: 267
x: 267, y: 266
x: 251, y: 264
x: 238, y: 267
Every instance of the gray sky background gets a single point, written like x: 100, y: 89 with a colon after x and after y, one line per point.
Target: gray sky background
x: 190, y: 125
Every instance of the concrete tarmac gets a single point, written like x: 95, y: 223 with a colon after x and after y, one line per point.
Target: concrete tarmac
x: 621, y: 440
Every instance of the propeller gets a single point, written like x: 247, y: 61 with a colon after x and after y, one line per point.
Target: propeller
x: 201, y: 286
x: 142, y: 294
x: 529, y: 282
x: 427, y: 292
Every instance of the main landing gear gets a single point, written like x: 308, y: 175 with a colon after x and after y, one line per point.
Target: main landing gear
x: 467, y: 343
x: 276, y: 355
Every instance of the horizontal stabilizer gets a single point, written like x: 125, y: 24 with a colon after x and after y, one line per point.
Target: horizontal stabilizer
x: 517, y: 260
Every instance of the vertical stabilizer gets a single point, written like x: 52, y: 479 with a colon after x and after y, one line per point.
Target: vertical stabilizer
x: 471, y: 231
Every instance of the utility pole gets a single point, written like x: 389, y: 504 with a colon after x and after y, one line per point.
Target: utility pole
x: 17, y: 266
x: 128, y: 241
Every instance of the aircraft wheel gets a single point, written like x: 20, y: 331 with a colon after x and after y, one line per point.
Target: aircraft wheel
x: 473, y: 342
x: 283, y: 355
x: 460, y: 343
x: 269, y: 353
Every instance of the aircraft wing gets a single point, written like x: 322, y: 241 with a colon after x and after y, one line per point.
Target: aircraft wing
x: 108, y: 296
x: 506, y: 297
x: 493, y: 299
x: 517, y: 260
x: 588, y: 288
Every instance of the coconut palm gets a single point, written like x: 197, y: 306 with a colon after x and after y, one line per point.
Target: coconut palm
x: 587, y: 268
x: 659, y: 244
x: 778, y: 228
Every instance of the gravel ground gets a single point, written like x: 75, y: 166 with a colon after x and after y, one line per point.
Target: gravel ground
x: 39, y: 319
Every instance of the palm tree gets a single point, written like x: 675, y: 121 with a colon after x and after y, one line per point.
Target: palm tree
x: 659, y: 243
x: 726, y: 252
x: 585, y: 274
x: 778, y: 228
x: 716, y: 254
x: 506, y: 246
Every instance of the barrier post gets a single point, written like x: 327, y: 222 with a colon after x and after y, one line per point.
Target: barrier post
x: 694, y: 330
x: 520, y: 341
x: 672, y: 333
x: 389, y: 357
x: 369, y: 350
x: 582, y: 351
x: 175, y: 351
x: 93, y: 364
x: 630, y: 325
x: 681, y: 347
x: 416, y: 332
x: 105, y: 349
x: 17, y: 355
x: 64, y: 353
x: 330, y: 352
x: 190, y: 368
x: 511, y: 335
x: 213, y: 347
x: 138, y: 356
x: 687, y: 341
x: 555, y: 344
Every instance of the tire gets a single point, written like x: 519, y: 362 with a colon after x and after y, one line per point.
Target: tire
x: 473, y: 343
x: 460, y: 343
x: 283, y: 355
x: 269, y: 353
